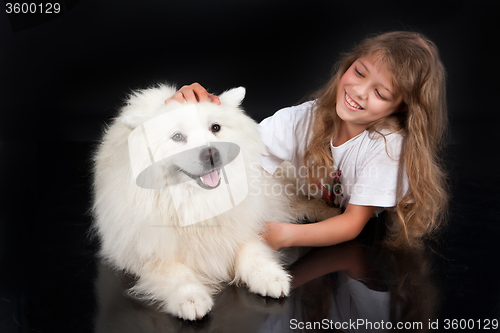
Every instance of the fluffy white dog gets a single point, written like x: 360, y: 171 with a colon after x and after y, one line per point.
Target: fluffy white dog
x: 180, y: 199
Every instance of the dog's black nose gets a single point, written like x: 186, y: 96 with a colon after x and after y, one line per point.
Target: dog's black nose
x: 210, y: 157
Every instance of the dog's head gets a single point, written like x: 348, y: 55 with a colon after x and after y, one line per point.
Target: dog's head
x: 191, y: 148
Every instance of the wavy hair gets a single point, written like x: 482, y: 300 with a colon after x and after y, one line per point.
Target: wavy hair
x: 419, y: 75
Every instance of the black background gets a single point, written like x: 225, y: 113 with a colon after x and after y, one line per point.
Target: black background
x: 62, y: 77
x: 72, y: 72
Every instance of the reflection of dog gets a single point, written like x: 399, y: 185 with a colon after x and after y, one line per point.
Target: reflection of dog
x: 181, y: 204
x: 235, y: 310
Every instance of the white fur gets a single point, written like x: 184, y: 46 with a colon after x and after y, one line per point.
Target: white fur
x: 181, y: 267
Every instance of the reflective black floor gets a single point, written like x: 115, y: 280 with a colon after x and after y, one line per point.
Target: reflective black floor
x: 63, y: 76
x: 52, y: 282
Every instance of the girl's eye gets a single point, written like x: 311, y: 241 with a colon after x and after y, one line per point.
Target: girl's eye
x: 178, y: 137
x: 215, y: 128
x: 380, y: 95
x: 358, y: 73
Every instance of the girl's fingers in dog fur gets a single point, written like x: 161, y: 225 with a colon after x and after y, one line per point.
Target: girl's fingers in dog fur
x: 200, y: 92
x: 178, y: 96
x: 214, y: 99
x: 193, y: 93
x: 188, y: 95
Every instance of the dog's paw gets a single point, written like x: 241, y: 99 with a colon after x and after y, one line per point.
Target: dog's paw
x: 270, y: 280
x: 190, y: 303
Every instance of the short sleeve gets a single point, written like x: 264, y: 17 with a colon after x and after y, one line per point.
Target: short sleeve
x: 284, y: 135
x: 378, y: 172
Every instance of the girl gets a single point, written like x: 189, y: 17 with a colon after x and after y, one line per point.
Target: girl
x: 371, y: 139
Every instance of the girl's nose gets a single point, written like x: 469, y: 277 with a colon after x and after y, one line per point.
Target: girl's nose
x: 360, y: 91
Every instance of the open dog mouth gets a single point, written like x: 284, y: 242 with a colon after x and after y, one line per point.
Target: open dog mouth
x: 208, y: 181
x: 204, y: 164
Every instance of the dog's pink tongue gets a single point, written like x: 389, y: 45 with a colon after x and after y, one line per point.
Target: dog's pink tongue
x: 211, y: 179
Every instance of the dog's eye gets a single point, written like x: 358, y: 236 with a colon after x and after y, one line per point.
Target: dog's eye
x: 215, y: 128
x: 178, y: 137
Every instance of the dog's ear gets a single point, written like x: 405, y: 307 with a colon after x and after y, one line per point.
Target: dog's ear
x: 233, y: 97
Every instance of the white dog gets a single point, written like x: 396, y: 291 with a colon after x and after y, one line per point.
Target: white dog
x: 180, y: 200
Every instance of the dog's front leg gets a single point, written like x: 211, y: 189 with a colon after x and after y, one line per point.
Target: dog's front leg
x: 258, y: 266
x: 176, y: 287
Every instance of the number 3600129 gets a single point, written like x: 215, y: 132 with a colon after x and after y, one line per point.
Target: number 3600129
x: 32, y: 8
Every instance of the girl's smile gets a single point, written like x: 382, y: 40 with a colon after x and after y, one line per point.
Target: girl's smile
x: 351, y: 104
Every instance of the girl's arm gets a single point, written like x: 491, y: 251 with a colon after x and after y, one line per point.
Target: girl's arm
x: 335, y: 230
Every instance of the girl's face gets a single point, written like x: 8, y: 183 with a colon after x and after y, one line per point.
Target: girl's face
x: 365, y: 93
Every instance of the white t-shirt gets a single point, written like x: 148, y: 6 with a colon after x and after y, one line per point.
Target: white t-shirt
x: 366, y: 166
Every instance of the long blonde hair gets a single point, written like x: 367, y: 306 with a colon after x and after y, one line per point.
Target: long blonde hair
x: 419, y: 76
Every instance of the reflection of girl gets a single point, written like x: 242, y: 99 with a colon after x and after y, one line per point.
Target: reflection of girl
x: 340, y: 284
x: 380, y: 120
x: 353, y: 291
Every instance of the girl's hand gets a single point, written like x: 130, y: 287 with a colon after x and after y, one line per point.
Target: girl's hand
x: 193, y: 93
x: 278, y: 235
